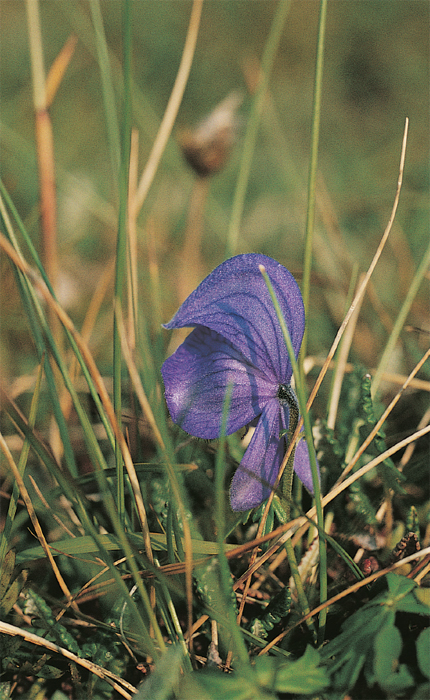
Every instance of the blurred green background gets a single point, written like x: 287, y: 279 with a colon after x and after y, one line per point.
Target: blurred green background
x: 376, y: 74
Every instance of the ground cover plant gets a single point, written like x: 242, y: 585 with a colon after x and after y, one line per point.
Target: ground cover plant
x: 240, y: 510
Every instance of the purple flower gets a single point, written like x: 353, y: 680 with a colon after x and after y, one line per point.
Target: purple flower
x: 237, y: 340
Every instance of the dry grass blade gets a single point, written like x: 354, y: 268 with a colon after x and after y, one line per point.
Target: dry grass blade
x: 95, y: 375
x: 35, y: 521
x: 303, y: 523
x: 341, y: 364
x: 58, y: 68
x: 361, y: 290
x: 347, y: 591
x: 140, y: 393
x: 172, y: 107
x: 383, y: 418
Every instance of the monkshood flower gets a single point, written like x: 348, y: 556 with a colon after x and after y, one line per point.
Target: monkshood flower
x: 237, y: 341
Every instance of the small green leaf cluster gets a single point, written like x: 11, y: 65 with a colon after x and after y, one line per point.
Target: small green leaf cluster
x: 277, y: 609
x: 371, y: 651
x: 268, y: 678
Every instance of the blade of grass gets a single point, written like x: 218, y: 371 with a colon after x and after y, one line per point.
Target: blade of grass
x: 121, y: 686
x: 368, y: 274
x: 34, y: 519
x: 401, y: 318
x: 108, y: 93
x: 316, y: 115
x: 172, y: 108
x: 239, y: 648
x: 29, y: 300
x: 92, y: 442
x: 121, y: 246
x: 72, y: 493
x: 313, y: 463
x: 22, y: 462
x: 267, y: 60
x: 175, y: 484
x: 132, y: 253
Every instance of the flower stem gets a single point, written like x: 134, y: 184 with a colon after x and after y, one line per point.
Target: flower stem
x: 287, y: 477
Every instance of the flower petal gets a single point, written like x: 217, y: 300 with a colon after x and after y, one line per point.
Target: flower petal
x: 196, y: 378
x: 302, y: 465
x: 257, y: 472
x: 234, y: 301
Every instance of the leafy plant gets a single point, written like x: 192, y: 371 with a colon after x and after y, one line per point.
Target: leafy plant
x: 124, y: 569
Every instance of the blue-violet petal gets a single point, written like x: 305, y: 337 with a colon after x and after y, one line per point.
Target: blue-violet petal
x: 234, y: 301
x: 257, y: 472
x: 196, y: 378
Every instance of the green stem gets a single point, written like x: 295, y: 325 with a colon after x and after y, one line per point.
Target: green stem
x: 287, y: 488
x: 316, y: 114
x: 107, y: 88
x: 121, y: 251
x: 226, y: 586
x: 287, y: 477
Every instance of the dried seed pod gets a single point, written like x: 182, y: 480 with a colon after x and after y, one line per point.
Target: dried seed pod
x: 207, y: 147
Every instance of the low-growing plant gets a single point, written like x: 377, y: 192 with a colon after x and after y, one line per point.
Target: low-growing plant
x: 209, y: 515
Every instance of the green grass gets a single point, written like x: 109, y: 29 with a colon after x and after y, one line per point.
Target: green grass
x: 124, y: 571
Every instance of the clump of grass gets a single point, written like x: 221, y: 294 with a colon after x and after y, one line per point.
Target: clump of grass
x: 123, y: 570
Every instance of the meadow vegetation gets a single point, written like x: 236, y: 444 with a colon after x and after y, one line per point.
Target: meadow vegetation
x: 143, y: 143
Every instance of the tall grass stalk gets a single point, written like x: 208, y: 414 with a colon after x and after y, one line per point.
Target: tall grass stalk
x: 419, y: 275
x: 173, y: 104
x: 239, y: 648
x: 362, y: 288
x: 313, y: 165
x: 267, y: 60
x: 45, y: 148
x: 5, y: 538
x: 112, y: 126
x: 121, y: 247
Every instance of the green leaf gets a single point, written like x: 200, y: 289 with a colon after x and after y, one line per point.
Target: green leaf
x: 303, y: 676
x: 388, y: 645
x: 162, y: 681
x: 10, y: 588
x: 398, y: 587
x: 278, y: 608
x: 214, y: 685
x: 6, y: 572
x: 79, y: 546
x: 423, y: 652
x: 412, y: 522
x: 387, y: 470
